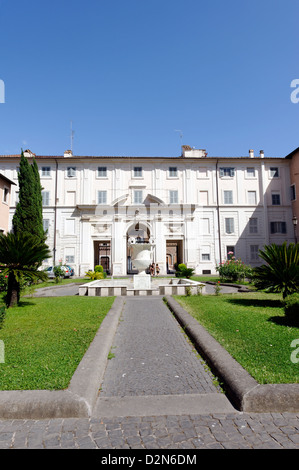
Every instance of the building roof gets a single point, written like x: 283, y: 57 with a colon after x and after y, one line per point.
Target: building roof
x: 6, y: 179
x: 292, y: 153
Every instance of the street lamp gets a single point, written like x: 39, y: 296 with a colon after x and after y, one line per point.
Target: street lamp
x: 295, y: 221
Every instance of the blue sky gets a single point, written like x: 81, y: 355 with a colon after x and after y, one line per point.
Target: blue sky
x: 130, y: 73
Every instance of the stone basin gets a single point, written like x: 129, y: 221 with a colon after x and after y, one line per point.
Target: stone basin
x: 159, y: 286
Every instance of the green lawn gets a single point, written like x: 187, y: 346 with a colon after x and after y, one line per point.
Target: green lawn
x: 46, y: 338
x: 253, y: 329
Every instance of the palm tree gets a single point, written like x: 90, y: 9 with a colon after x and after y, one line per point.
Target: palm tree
x: 281, y: 273
x: 20, y: 256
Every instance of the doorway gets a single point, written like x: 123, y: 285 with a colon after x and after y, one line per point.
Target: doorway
x: 174, y: 255
x: 102, y: 254
x: 141, y: 233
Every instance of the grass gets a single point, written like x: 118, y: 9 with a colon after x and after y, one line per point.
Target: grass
x: 46, y: 338
x: 252, y: 327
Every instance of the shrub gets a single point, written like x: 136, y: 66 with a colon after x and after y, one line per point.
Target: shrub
x: 2, y: 314
x: 291, y: 304
x: 3, y: 282
x: 183, y: 271
x: 58, y: 273
x: 99, y: 268
x: 94, y: 275
x: 233, y: 269
x: 281, y: 271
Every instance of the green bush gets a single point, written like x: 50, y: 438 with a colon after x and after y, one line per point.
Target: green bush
x: 281, y: 271
x: 58, y: 273
x: 99, y: 268
x: 3, y: 282
x: 94, y: 275
x: 2, y: 314
x: 291, y: 304
x: 183, y: 271
x: 233, y: 270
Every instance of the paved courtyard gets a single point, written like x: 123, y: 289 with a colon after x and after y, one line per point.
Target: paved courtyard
x: 152, y: 360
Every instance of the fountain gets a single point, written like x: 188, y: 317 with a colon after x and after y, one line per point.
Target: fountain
x: 142, y: 257
x: 143, y: 284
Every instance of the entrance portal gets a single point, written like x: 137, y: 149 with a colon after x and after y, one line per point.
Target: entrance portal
x: 174, y: 254
x: 102, y: 254
x: 141, y: 233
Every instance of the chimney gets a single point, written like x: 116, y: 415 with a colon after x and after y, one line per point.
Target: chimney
x: 28, y: 153
x: 188, y: 152
x: 251, y: 153
x: 68, y: 153
x: 262, y: 153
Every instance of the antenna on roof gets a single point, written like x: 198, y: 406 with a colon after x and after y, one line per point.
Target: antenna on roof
x: 181, y: 134
x: 72, y: 136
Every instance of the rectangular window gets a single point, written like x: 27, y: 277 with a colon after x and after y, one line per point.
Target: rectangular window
x: 138, y: 196
x: 173, y: 172
x: 203, y: 198
x: 102, y: 172
x: 102, y: 197
x: 69, y: 255
x: 228, y: 197
x: 46, y: 198
x: 69, y: 226
x: 274, y: 172
x: 173, y: 197
x: 254, y: 252
x: 202, y: 173
x: 227, y: 172
x: 250, y: 172
x: 46, y: 171
x: 293, y: 192
x: 137, y: 172
x: 46, y: 224
x: 275, y: 199
x: 205, y: 224
x: 230, y: 251
x: 278, y: 227
x: 253, y: 225
x: 5, y: 194
x: 71, y: 172
x: 206, y: 253
x: 252, y: 198
x: 229, y: 225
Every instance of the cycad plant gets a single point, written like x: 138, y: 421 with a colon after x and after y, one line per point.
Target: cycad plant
x: 20, y: 256
x: 281, y: 271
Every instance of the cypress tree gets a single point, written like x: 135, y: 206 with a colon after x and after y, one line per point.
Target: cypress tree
x: 28, y: 214
x: 38, y: 201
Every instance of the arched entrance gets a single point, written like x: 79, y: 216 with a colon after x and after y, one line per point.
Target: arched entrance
x: 141, y: 232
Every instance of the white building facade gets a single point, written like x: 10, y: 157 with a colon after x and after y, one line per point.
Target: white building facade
x: 196, y: 208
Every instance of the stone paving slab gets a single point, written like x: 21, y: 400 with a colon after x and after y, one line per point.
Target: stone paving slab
x: 152, y: 356
x: 175, y: 432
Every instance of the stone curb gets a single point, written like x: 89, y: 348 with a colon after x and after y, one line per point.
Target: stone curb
x: 241, y: 388
x: 80, y: 397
